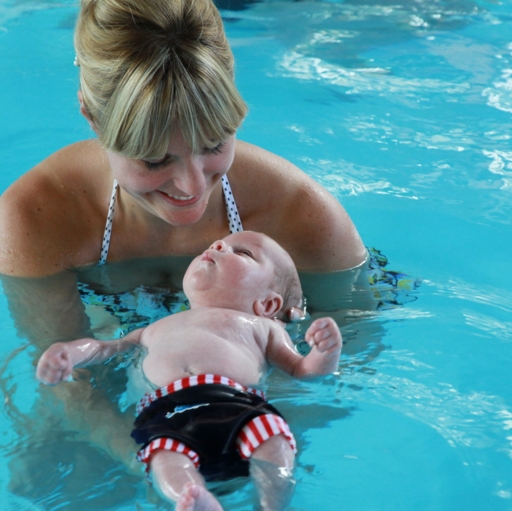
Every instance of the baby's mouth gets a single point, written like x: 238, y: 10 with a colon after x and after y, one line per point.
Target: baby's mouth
x: 206, y: 256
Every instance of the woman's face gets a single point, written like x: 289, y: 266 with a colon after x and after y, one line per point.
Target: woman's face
x: 177, y: 188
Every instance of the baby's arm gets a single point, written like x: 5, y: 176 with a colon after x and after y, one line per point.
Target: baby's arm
x: 323, y: 336
x: 58, y: 361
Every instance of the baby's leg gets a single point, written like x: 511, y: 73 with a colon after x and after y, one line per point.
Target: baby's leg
x: 177, y: 479
x: 272, y: 473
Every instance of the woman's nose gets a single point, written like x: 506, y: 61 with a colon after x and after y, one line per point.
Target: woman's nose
x: 219, y: 245
x: 190, y: 177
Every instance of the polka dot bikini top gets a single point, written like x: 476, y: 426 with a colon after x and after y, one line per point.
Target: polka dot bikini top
x: 235, y: 223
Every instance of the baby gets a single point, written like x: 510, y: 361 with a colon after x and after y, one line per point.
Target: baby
x: 204, y: 421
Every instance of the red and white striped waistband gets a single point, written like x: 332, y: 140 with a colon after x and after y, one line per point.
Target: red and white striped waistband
x: 191, y: 381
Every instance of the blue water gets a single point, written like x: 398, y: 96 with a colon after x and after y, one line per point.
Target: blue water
x: 403, y: 110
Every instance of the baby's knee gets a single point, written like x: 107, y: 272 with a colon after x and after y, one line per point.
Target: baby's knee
x: 272, y: 473
x: 170, y: 472
x: 276, y: 450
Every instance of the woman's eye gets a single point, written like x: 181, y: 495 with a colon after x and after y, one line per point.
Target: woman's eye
x: 155, y: 165
x: 215, y: 150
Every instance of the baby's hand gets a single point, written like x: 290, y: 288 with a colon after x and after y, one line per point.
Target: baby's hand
x: 325, y: 335
x: 55, y: 365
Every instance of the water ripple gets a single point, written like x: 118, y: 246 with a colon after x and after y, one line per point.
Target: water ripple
x: 343, y: 178
x: 500, y: 95
x: 501, y: 164
x: 475, y: 419
x: 15, y: 9
x: 385, y: 132
x: 366, y: 79
x: 481, y: 294
x: 497, y: 329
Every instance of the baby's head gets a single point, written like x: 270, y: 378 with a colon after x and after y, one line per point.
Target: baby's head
x: 246, y: 271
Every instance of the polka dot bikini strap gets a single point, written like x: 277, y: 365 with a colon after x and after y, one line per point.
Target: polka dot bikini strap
x: 235, y: 223
x: 108, y: 226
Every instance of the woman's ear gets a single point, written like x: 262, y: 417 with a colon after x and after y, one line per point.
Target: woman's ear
x: 84, y: 111
x: 269, y: 306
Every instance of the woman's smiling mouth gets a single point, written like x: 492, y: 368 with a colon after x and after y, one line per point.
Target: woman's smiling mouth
x: 179, y: 197
x: 178, y: 200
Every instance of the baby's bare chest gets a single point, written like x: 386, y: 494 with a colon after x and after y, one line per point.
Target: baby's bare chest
x: 211, y: 342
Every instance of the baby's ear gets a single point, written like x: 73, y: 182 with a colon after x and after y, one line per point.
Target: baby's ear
x: 269, y: 306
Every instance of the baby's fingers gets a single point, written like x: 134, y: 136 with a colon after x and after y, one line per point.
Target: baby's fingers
x: 47, y: 376
x: 322, y: 328
x: 53, y: 368
x: 324, y: 334
x: 317, y: 326
x: 327, y: 344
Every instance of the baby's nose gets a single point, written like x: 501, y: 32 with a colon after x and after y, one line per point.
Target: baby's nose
x: 218, y: 245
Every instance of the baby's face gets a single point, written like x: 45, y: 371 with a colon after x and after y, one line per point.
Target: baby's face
x: 234, y: 272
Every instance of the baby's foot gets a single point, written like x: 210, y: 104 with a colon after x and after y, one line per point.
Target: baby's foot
x: 197, y: 498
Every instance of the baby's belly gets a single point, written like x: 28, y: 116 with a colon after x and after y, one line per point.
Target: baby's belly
x: 240, y: 365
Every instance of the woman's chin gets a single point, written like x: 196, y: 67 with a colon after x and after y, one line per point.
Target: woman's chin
x: 184, y: 217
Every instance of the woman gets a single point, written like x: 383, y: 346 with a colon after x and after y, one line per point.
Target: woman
x: 156, y: 86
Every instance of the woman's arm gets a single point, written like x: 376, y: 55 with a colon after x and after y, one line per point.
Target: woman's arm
x: 277, y: 198
x: 52, y: 217
x: 46, y: 310
x: 58, y: 361
x: 51, y: 221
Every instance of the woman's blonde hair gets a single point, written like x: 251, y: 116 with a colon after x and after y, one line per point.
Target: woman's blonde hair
x: 147, y: 66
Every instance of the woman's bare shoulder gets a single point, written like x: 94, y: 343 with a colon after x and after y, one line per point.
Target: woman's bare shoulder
x: 49, y: 213
x: 281, y: 200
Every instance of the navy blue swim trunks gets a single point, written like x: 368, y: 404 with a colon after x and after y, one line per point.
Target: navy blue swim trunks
x: 208, y: 420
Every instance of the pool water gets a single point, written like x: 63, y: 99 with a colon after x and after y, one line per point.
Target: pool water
x: 403, y: 110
